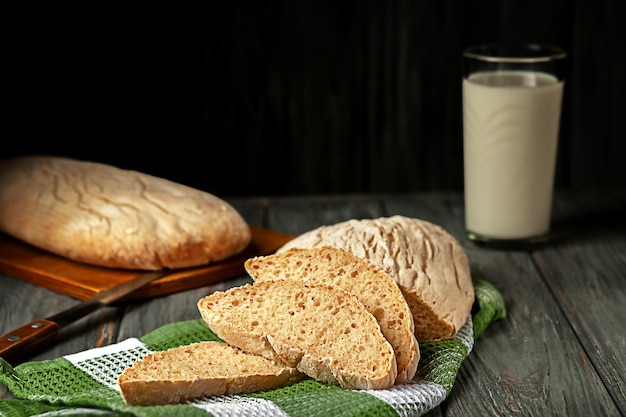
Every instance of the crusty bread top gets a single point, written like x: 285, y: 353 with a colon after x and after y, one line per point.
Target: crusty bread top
x: 323, y: 331
x: 378, y: 292
x: 429, y: 265
x: 103, y: 215
x: 200, y: 370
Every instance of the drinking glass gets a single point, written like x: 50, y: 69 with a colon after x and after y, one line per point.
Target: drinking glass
x: 512, y: 95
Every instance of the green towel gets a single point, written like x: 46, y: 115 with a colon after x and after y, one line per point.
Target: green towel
x: 85, y: 383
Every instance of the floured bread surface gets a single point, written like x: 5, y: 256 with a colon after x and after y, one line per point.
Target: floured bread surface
x: 200, y: 370
x: 323, y: 331
x: 103, y: 215
x: 429, y: 265
x: 378, y: 292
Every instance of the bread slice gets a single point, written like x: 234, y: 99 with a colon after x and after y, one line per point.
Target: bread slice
x: 378, y: 292
x: 102, y: 215
x: 200, y: 370
x: 321, y: 330
x: 429, y: 265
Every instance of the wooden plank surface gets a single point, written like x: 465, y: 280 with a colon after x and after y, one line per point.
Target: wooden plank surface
x: 586, y: 272
x: 23, y: 302
x: 558, y: 352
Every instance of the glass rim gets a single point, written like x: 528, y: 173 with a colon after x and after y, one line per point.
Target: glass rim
x: 534, y: 52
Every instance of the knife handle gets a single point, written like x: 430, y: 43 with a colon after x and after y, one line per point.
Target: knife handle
x: 17, y: 342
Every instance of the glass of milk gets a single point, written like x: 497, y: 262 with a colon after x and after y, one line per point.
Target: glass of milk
x: 512, y: 97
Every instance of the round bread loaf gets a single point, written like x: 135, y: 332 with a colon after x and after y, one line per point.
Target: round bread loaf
x: 429, y: 265
x: 102, y: 215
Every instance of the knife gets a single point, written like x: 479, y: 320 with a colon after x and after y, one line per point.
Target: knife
x: 22, y: 340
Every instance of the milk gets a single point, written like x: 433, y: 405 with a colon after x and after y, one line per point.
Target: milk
x: 510, y: 126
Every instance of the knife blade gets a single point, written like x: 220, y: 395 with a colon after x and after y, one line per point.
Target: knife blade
x: 25, y: 339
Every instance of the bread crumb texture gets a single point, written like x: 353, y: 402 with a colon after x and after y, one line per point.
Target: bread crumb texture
x: 320, y: 329
x: 374, y: 288
x: 199, y: 370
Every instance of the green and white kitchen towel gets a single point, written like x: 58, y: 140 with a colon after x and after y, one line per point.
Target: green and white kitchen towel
x: 85, y: 383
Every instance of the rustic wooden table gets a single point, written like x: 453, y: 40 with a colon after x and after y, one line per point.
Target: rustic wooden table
x: 560, y: 351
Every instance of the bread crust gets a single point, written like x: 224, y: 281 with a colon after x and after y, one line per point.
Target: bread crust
x: 103, y: 215
x: 428, y: 263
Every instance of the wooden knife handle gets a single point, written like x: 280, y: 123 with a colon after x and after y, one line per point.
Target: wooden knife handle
x: 19, y: 341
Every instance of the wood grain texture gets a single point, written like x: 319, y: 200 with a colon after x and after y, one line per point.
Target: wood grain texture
x: 25, y: 302
x: 83, y: 281
x: 586, y: 274
x: 530, y: 354
x: 289, y: 216
x: 351, y: 96
x: 18, y: 342
x: 558, y: 352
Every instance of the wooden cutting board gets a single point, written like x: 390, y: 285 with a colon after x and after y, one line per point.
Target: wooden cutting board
x: 21, y: 260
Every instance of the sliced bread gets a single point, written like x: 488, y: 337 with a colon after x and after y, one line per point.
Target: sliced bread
x: 200, y: 370
x: 321, y: 330
x: 428, y: 263
x: 378, y: 292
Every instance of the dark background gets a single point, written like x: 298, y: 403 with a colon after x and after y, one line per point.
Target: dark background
x: 262, y: 97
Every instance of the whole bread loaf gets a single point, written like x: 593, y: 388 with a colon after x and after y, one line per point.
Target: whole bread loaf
x: 376, y: 290
x: 200, y: 370
x: 321, y: 330
x: 102, y: 215
x: 429, y: 265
